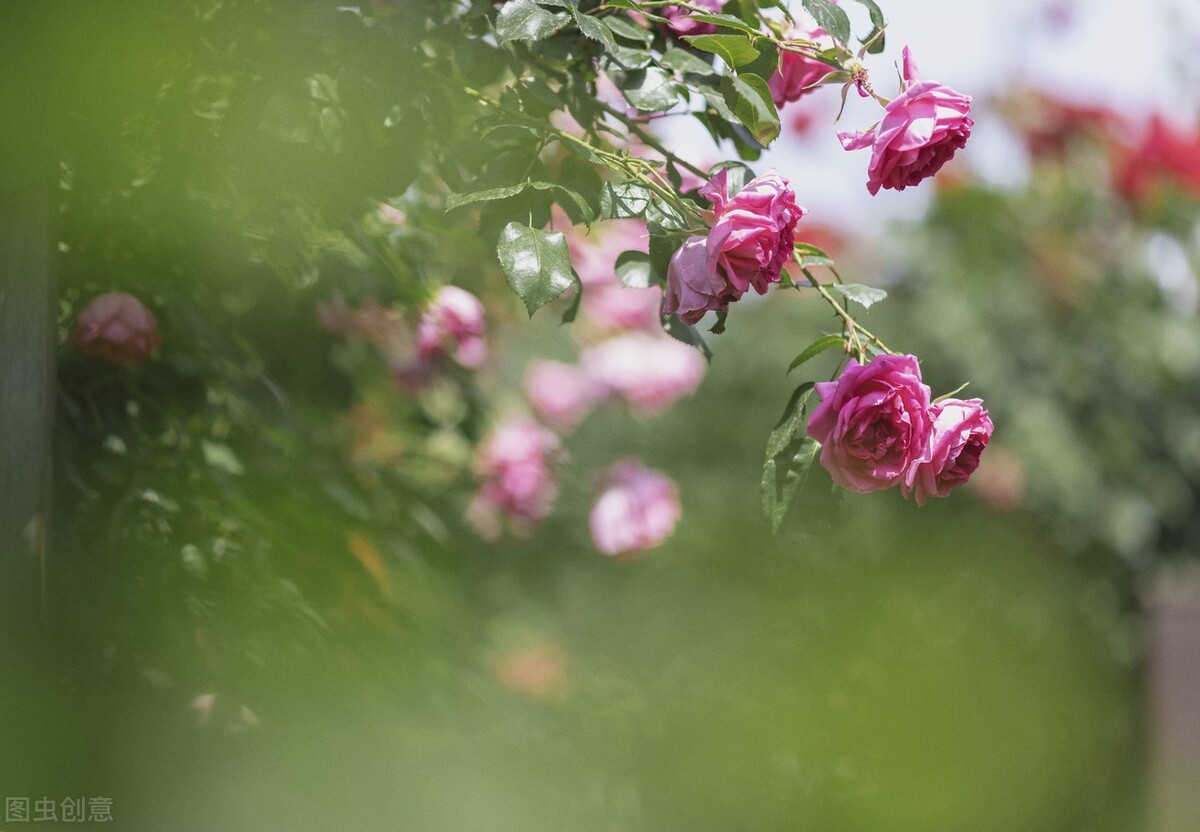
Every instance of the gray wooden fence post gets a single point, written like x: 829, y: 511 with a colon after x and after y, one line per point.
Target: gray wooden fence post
x: 1173, y: 696
x: 27, y: 384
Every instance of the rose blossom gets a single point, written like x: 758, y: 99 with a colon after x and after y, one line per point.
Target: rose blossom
x: 961, y: 430
x: 750, y: 241
x: 650, y: 372
x: 874, y: 423
x: 753, y: 231
x: 922, y: 129
x: 637, y: 510
x: 561, y: 395
x: 116, y: 327
x: 516, y: 481
x: 798, y: 72
x: 692, y: 287
x: 680, y: 20
x: 454, y: 323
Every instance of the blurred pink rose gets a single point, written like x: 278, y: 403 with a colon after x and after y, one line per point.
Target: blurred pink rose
x: 514, y: 468
x: 637, y: 510
x: 680, y: 20
x: 874, y: 423
x: 116, y: 327
x: 922, y: 129
x: 453, y: 323
x: 390, y: 214
x: 961, y: 430
x: 562, y: 395
x: 753, y: 231
x: 613, y: 306
x: 798, y: 72
x: 650, y: 372
x: 692, y: 287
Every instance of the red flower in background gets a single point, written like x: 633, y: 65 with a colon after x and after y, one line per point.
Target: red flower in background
x: 1165, y: 155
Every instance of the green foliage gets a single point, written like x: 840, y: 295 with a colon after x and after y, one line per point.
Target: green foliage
x: 537, y: 264
x: 865, y: 296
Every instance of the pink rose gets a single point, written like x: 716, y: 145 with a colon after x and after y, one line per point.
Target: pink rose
x: 797, y: 72
x: 961, y: 430
x: 116, y: 327
x: 922, y: 129
x: 750, y: 241
x: 680, y: 20
x: 753, y: 231
x: 453, y: 323
x: 874, y: 423
x: 650, y: 372
x: 561, y: 395
x: 513, y: 466
x: 692, y: 287
x: 637, y: 510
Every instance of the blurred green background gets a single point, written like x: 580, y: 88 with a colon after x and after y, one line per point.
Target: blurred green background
x: 267, y: 614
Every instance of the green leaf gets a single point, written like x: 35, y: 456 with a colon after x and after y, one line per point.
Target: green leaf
x: 651, y: 90
x: 631, y: 58
x: 789, y: 457
x: 594, y: 29
x: 536, y: 263
x: 817, y: 347
x: 829, y: 17
x: 791, y: 423
x: 623, y: 28
x: 688, y: 334
x: 662, y: 249
x: 783, y: 477
x: 735, y: 50
x: 685, y: 62
x: 750, y: 99
x: 504, y: 192
x: 568, y: 316
x: 725, y: 21
x: 665, y: 217
x: 625, y: 200
x: 526, y: 20
x: 866, y: 296
x: 767, y: 62
x: 634, y: 269
x: 458, y: 200
x: 810, y: 249
x: 879, y: 22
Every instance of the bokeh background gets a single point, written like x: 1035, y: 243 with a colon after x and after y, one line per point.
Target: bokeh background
x: 252, y: 633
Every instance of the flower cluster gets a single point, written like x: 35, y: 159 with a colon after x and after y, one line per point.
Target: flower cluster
x: 878, y: 428
x: 751, y: 238
x: 515, y: 469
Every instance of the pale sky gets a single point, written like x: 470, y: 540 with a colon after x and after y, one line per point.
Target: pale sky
x: 1141, y: 57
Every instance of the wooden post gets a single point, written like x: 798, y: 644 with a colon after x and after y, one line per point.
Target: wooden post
x: 27, y: 384
x: 1173, y: 696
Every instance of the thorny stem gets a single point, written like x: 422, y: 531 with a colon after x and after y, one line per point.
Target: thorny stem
x: 852, y: 327
x: 630, y: 166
